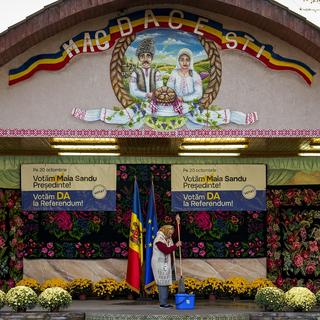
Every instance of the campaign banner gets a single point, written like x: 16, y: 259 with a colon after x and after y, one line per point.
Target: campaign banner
x: 218, y: 187
x: 58, y: 187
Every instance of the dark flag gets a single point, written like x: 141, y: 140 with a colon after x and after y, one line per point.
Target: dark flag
x: 151, y: 232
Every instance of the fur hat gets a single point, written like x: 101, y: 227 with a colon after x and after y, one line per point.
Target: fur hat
x: 145, y: 46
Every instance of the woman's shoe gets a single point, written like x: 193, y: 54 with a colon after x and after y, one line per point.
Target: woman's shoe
x: 166, y: 306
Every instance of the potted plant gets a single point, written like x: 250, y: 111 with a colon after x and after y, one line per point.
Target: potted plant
x: 318, y: 297
x: 30, y: 283
x: 236, y: 287
x: 2, y: 299
x: 80, y: 288
x: 53, y: 299
x: 257, y: 284
x: 270, y: 298
x: 300, y: 299
x: 55, y: 282
x: 192, y: 286
x: 123, y: 290
x: 105, y: 288
x: 212, y: 288
x: 21, y: 298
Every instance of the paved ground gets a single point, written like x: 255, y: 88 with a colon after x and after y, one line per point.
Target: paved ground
x: 202, y: 307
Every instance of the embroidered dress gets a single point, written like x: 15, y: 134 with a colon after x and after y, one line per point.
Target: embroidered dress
x: 161, y: 263
x: 188, y: 87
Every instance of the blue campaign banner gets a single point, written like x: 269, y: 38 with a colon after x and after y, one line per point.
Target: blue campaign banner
x: 67, y: 201
x: 56, y: 187
x: 214, y: 187
x: 222, y: 200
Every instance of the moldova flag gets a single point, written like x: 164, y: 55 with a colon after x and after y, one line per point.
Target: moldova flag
x: 135, y: 254
x: 151, y: 232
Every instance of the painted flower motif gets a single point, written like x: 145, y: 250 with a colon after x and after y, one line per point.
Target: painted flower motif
x: 276, y: 202
x: 234, y: 219
x: 296, y: 245
x: 313, y: 246
x: 298, y: 261
x: 63, y: 220
x: 124, y: 176
x: 310, y: 268
x: 49, y: 245
x: 123, y: 245
x: 96, y: 220
x: 117, y: 249
x: 202, y: 253
x: 2, y: 242
x: 203, y: 220
x: 195, y: 250
x: 201, y: 245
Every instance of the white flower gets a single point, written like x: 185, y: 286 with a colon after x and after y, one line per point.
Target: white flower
x: 300, y: 299
x: 54, y: 298
x: 2, y: 299
x: 21, y: 298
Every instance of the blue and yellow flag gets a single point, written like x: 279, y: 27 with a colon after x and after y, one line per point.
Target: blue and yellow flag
x: 135, y: 252
x: 151, y: 232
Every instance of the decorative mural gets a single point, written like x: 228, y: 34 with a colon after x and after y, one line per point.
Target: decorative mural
x: 166, y: 84
x: 162, y: 70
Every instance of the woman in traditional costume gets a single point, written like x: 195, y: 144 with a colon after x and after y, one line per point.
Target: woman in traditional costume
x: 162, y: 261
x: 184, y: 80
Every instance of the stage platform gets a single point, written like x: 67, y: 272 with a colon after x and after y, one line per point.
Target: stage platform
x: 204, y: 310
x: 97, y: 310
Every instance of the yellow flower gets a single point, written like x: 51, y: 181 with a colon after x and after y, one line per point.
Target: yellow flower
x: 30, y: 283
x: 237, y: 287
x: 55, y: 282
x: 80, y: 286
x: 107, y: 286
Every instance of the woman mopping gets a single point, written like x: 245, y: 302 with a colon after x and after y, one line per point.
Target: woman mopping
x: 161, y: 262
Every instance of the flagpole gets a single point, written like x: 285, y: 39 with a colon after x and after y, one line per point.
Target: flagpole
x: 151, y: 232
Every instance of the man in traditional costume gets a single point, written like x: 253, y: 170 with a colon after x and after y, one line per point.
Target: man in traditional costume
x: 162, y: 261
x: 145, y: 79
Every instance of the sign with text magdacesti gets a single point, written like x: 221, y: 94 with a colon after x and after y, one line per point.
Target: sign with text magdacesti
x: 218, y: 187
x: 56, y: 187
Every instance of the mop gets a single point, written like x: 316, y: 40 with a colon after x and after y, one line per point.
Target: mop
x: 181, y: 287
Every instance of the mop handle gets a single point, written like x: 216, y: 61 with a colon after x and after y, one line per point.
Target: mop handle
x: 178, y: 226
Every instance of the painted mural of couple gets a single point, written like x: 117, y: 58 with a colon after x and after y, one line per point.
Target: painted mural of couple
x: 168, y: 99
x: 184, y: 80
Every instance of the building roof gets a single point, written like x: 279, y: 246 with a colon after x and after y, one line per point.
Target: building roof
x: 267, y: 15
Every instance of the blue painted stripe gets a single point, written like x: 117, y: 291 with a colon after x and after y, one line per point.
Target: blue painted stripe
x: 206, y: 200
x: 78, y: 200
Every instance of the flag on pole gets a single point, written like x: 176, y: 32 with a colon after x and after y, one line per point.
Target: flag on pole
x: 151, y: 232
x: 135, y: 252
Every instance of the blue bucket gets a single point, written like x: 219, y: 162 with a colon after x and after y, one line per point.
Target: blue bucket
x: 185, y: 301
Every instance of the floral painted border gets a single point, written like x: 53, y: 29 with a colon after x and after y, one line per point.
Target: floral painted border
x: 134, y: 133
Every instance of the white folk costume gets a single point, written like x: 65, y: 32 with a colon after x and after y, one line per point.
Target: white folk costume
x: 144, y: 80
x: 188, y: 86
x: 161, y: 263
